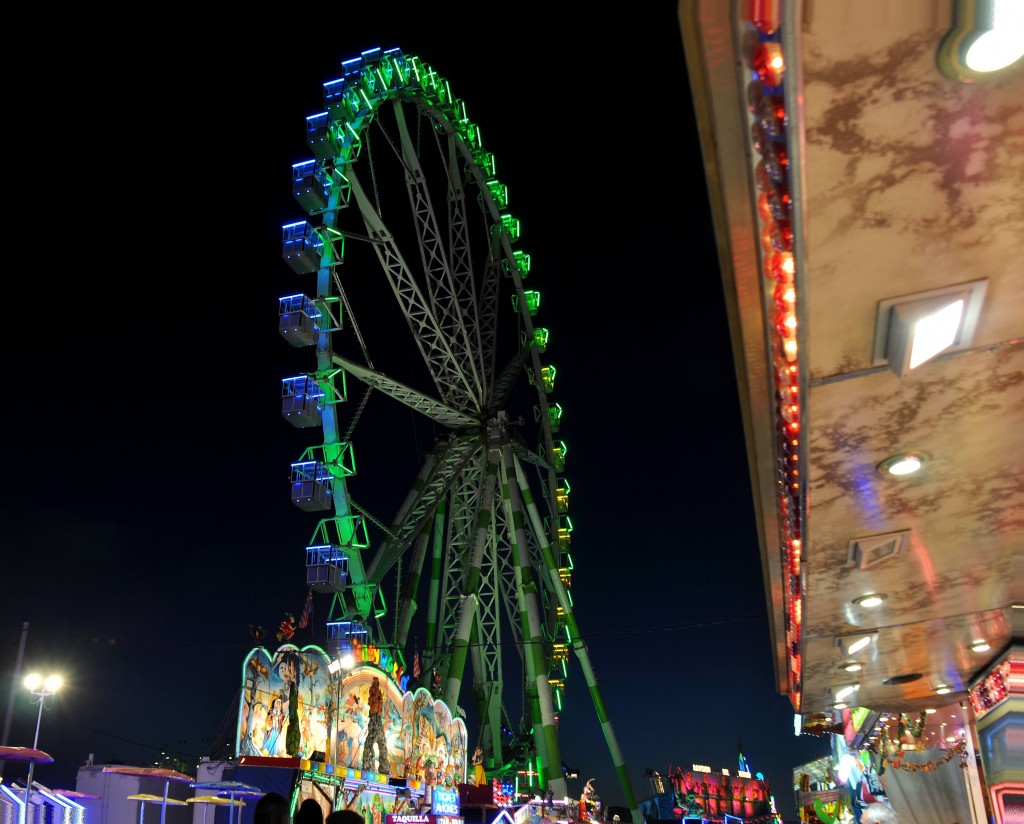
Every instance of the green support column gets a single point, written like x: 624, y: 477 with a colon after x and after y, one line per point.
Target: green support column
x: 435, y: 584
x: 545, y: 732
x: 578, y: 646
x: 460, y: 649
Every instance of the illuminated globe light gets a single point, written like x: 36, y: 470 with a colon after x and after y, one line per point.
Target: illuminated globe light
x: 790, y: 348
x: 780, y: 266
x: 786, y: 373
x: 769, y: 65
x: 785, y: 299
x: 764, y: 14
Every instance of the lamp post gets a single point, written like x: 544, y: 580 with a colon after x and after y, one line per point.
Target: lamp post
x: 42, y: 688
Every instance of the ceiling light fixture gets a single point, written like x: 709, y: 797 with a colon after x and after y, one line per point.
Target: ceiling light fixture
x: 853, y: 666
x: 852, y: 644
x: 914, y: 329
x: 943, y: 689
x: 870, y: 600
x: 904, y: 463
x: 979, y: 645
x: 844, y: 692
x: 985, y: 42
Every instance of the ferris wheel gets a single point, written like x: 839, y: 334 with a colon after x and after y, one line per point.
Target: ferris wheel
x: 451, y: 539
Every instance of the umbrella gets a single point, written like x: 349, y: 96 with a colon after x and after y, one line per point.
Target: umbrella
x: 230, y: 789
x: 27, y: 755
x: 149, y: 798
x: 30, y: 756
x: 217, y: 801
x: 152, y: 772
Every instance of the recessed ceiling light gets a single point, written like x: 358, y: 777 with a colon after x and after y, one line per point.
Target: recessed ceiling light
x: 852, y: 666
x: 979, y: 645
x: 905, y: 463
x: 839, y: 706
x: 930, y: 710
x: 942, y: 689
x: 870, y: 600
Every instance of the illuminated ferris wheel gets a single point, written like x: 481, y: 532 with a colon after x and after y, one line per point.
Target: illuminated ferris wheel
x: 452, y: 537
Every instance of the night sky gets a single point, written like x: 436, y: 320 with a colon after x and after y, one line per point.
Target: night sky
x: 145, y: 519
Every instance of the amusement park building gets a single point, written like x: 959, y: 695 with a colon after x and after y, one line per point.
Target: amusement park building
x: 859, y: 174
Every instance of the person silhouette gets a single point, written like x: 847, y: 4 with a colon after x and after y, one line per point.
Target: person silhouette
x: 272, y: 808
x: 309, y: 812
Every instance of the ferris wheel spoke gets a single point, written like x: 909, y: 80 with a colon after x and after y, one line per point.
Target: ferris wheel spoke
x: 525, y: 454
x: 450, y: 312
x: 508, y: 377
x: 462, y: 268
x: 487, y: 318
x: 449, y: 373
x: 425, y: 500
x: 431, y: 408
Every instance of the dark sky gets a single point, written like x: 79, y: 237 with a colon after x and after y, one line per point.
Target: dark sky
x: 145, y: 512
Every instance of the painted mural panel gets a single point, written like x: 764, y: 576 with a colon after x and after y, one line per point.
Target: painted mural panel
x: 423, y: 742
x: 285, y: 703
x: 291, y: 707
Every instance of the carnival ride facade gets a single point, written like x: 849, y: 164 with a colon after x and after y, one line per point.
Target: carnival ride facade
x: 701, y: 795
x: 455, y: 528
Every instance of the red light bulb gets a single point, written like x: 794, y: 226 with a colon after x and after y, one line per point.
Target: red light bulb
x: 780, y: 266
x: 764, y: 14
x: 782, y: 235
x: 768, y: 64
x: 779, y: 200
x: 776, y: 162
x: 771, y: 112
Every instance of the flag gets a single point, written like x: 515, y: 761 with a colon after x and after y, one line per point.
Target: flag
x: 307, y: 610
x: 416, y: 665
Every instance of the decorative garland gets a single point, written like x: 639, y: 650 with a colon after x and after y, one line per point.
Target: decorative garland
x: 906, y: 726
x: 960, y: 748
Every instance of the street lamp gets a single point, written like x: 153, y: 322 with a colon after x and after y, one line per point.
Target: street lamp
x: 42, y: 688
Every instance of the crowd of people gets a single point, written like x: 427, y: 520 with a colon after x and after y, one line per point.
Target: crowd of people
x: 273, y: 808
